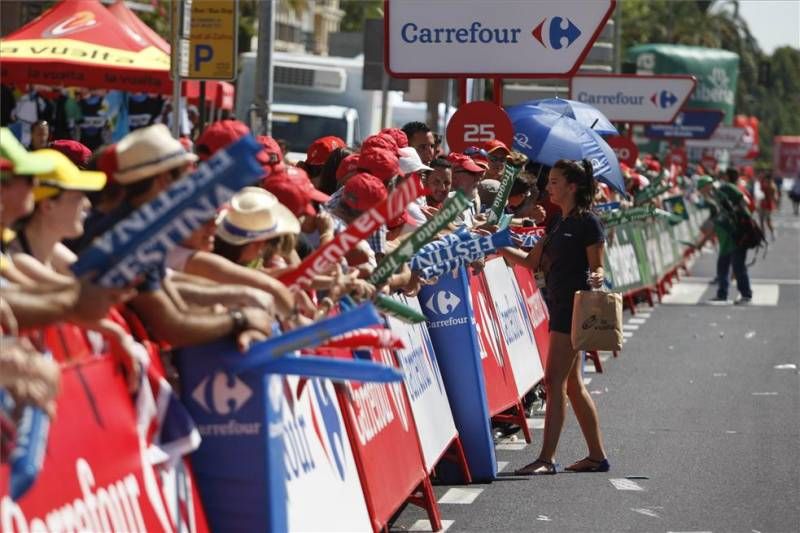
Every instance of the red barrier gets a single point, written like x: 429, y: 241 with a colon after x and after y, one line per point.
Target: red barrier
x: 386, y: 447
x: 94, y: 476
x: 537, y: 309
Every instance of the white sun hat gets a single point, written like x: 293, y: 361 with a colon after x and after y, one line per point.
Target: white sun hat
x: 149, y: 151
x: 410, y: 161
x: 255, y: 215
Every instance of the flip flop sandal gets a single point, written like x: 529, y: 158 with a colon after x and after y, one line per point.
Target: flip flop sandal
x: 593, y: 466
x: 526, y: 470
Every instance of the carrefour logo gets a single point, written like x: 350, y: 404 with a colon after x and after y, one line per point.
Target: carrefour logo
x: 663, y: 99
x: 221, y: 394
x: 443, y: 302
x: 556, y: 34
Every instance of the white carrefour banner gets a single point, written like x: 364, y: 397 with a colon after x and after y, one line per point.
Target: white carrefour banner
x: 515, y: 324
x: 425, y: 387
x: 322, y: 483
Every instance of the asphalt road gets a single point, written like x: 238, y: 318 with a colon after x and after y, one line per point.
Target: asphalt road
x: 701, y: 416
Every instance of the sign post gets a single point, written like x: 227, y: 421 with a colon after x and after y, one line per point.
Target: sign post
x: 634, y: 99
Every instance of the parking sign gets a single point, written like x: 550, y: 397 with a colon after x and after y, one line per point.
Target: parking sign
x: 213, y: 41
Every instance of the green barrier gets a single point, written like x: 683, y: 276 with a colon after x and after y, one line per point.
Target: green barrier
x: 621, y: 261
x: 651, y: 236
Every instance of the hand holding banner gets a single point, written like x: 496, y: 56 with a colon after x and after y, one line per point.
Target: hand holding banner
x: 449, y: 211
x: 142, y: 240
x: 466, y: 252
x: 498, y: 205
x: 325, y: 257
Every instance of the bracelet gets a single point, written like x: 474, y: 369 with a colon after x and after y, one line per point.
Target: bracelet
x: 240, y: 322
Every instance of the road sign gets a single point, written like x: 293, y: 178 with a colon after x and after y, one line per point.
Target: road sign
x: 632, y: 98
x: 501, y: 38
x: 723, y: 138
x: 213, y: 41
x: 689, y: 124
x: 476, y: 123
x: 625, y: 148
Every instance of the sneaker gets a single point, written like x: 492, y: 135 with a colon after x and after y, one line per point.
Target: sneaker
x: 717, y: 300
x: 743, y: 301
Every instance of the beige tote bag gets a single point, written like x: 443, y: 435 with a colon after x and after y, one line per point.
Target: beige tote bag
x: 597, y: 321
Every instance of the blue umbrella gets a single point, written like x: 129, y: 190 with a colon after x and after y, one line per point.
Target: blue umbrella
x: 585, y: 114
x: 546, y: 137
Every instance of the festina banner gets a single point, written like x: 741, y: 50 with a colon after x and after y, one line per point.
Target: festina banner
x: 425, y: 386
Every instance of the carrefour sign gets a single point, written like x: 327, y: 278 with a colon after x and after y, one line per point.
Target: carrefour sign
x: 634, y: 98
x: 472, y: 38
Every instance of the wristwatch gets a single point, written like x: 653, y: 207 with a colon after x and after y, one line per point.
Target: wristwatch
x: 240, y: 322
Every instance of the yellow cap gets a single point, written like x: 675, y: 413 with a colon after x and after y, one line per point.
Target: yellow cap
x: 65, y: 177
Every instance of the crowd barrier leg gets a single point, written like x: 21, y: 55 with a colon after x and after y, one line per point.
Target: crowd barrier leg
x: 455, y: 454
x: 518, y: 418
x: 630, y: 302
x: 595, y: 357
x: 425, y: 498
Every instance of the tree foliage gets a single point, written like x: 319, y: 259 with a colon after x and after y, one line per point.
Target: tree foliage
x: 357, y: 11
x: 774, y: 99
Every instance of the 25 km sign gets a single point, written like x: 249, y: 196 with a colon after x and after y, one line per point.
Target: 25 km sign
x: 476, y: 123
x: 500, y: 38
x: 632, y: 98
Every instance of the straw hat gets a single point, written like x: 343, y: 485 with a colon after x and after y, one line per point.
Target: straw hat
x: 255, y: 215
x: 148, y: 151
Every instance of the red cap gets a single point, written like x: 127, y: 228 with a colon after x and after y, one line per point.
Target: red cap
x: 294, y: 189
x: 187, y: 143
x: 404, y: 218
x: 5, y: 164
x: 107, y: 161
x: 654, y: 165
x: 494, y: 144
x: 382, y: 164
x: 399, y: 136
x: 480, y: 161
x: 272, y: 154
x: 75, y: 151
x: 348, y: 165
x: 219, y: 135
x: 363, y: 191
x: 379, y: 142
x: 320, y: 149
x: 463, y: 161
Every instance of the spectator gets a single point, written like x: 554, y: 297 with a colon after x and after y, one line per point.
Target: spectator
x: 317, y: 154
x: 40, y: 135
x: 466, y: 176
x: 328, y: 182
x: 421, y: 139
x: 439, y: 182
x: 497, y: 152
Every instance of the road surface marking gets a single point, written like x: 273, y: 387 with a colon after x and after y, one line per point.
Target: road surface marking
x: 425, y: 525
x: 621, y: 483
x: 627, y: 334
x: 587, y: 369
x: 509, y: 447
x: 730, y: 432
x: 749, y: 334
x: 787, y: 366
x: 778, y: 281
x: 460, y: 495
x: 536, y: 423
x: 765, y: 394
x: 640, y: 320
x: 604, y: 357
x: 501, y: 465
x: 645, y: 511
x: 765, y: 294
x: 586, y: 381
x: 720, y: 374
x: 685, y: 294
x: 544, y: 518
x: 630, y: 327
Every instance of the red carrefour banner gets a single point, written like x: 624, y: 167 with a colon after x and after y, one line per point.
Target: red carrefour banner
x: 501, y: 390
x: 94, y: 477
x: 384, y: 440
x: 537, y: 310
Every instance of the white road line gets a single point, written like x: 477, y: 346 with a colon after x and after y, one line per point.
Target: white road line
x: 501, y: 465
x: 787, y: 366
x: 589, y: 369
x: 778, y: 281
x: 765, y: 394
x: 586, y: 381
x: 765, y: 294
x: 627, y: 334
x: 720, y: 374
x: 461, y: 495
x: 638, y: 320
x: 544, y: 518
x: 685, y: 294
x: 509, y: 447
x: 643, y: 314
x: 425, y: 525
x: 645, y: 511
x: 630, y: 327
x: 604, y: 356
x: 625, y: 484
x: 536, y: 423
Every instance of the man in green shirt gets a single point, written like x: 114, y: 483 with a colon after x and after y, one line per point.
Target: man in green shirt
x: 725, y: 199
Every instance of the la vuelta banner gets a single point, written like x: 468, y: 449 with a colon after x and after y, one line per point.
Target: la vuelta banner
x: 326, y: 257
x: 537, y: 310
x: 501, y: 390
x: 94, y: 476
x: 384, y: 439
x: 425, y: 386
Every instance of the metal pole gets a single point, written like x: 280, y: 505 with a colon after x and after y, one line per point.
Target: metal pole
x: 384, y: 99
x: 264, y: 68
x: 176, y: 15
x: 447, y: 105
x: 618, y: 38
x: 202, y: 107
x: 462, y: 91
x: 498, y: 91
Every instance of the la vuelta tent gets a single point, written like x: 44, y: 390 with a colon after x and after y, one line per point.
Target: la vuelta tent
x: 79, y: 43
x: 127, y: 17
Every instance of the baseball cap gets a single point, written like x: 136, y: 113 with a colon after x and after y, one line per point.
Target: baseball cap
x: 348, y: 165
x: 379, y: 142
x: 363, y: 191
x: 702, y: 181
x: 65, y: 176
x: 320, y: 149
x: 25, y: 163
x: 272, y: 154
x: 461, y: 161
x: 382, y: 164
x: 410, y: 161
x: 78, y: 153
x: 494, y: 144
x: 487, y: 190
x: 218, y: 135
x: 399, y: 136
x: 294, y: 189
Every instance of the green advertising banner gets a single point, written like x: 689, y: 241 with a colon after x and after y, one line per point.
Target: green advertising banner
x: 622, y: 263
x: 717, y: 72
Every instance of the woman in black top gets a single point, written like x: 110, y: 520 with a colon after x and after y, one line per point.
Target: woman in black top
x: 571, y: 258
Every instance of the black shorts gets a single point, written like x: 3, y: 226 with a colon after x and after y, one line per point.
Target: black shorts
x: 560, y: 309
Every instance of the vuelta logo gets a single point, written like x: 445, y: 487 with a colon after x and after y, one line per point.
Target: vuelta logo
x: 663, y: 99
x: 225, y: 395
x: 443, y: 302
x: 558, y: 30
x: 77, y: 22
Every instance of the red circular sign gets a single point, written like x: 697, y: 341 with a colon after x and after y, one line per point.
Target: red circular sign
x: 626, y: 150
x: 477, y: 123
